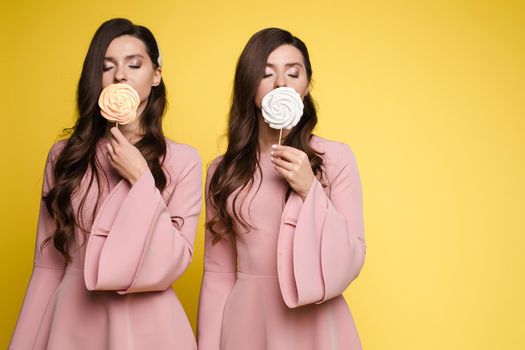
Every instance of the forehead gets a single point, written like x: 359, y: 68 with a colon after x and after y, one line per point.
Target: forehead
x: 126, y: 45
x: 285, y: 54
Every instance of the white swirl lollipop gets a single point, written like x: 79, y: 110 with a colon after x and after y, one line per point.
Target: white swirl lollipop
x: 118, y: 103
x: 282, y: 108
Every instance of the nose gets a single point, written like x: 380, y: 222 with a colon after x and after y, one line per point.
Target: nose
x: 120, y: 75
x: 280, y: 81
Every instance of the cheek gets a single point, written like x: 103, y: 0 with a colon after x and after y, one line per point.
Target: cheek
x: 144, y: 91
x: 143, y: 86
x: 106, y: 80
x: 301, y: 87
x: 262, y: 90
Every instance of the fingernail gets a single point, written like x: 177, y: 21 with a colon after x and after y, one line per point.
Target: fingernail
x: 272, y: 153
x: 274, y: 146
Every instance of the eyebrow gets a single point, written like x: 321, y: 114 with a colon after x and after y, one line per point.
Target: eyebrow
x: 286, y: 65
x: 127, y: 57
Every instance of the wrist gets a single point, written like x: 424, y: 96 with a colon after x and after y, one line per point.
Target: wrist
x: 137, y: 174
x: 304, y: 194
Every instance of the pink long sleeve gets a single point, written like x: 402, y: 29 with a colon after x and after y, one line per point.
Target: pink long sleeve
x: 321, y: 247
x: 137, y: 243
x: 48, y: 269
x: 220, y: 267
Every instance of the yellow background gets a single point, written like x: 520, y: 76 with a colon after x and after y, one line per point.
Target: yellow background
x: 429, y: 94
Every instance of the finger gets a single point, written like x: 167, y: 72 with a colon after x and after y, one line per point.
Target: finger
x: 291, y: 149
x: 286, y: 155
x: 282, y: 163
x: 109, y: 152
x: 287, y: 174
x: 117, y: 135
x: 113, y: 143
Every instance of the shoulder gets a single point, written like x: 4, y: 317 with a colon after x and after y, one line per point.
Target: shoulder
x: 211, y: 167
x: 52, y: 156
x: 180, y: 158
x: 338, y: 159
x: 55, y: 151
x: 180, y: 153
x: 334, y: 153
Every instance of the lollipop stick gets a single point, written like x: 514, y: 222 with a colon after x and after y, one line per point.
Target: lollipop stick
x: 116, y: 125
x: 280, y: 134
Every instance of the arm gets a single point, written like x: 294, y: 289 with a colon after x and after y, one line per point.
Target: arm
x: 220, y: 267
x: 135, y: 245
x: 48, y: 270
x: 321, y: 246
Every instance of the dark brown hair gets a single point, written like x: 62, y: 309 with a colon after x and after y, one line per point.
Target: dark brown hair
x: 236, y: 169
x: 78, y: 157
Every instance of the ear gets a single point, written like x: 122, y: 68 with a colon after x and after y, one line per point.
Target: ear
x: 308, y: 89
x: 157, y: 76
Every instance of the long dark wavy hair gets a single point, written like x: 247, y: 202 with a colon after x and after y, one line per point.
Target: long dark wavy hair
x: 78, y: 157
x: 235, y: 172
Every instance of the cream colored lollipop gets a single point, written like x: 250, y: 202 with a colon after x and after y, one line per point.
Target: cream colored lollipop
x: 282, y: 108
x: 118, y: 103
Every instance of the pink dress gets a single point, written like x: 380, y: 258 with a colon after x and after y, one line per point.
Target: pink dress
x: 278, y: 286
x: 116, y: 293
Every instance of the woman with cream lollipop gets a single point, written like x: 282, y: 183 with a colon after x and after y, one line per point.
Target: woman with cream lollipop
x: 284, y: 222
x: 119, y: 212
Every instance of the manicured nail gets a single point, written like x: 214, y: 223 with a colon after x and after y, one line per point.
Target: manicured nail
x: 274, y: 146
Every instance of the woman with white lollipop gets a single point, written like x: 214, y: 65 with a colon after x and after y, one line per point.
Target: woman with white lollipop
x: 284, y: 217
x: 119, y: 212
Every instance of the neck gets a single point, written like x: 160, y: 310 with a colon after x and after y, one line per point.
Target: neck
x: 268, y: 136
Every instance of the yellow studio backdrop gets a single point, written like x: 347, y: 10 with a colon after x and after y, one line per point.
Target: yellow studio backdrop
x: 429, y: 94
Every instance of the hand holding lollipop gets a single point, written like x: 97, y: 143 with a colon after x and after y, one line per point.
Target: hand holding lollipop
x: 282, y: 108
x: 118, y: 103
